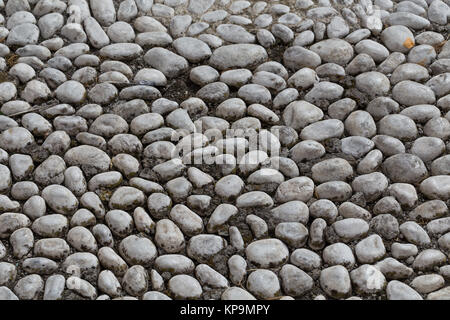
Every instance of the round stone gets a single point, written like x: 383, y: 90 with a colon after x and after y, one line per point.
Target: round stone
x: 138, y: 250
x: 263, y: 284
x: 238, y: 56
x: 60, y: 199
x: 405, y: 167
x: 373, y: 83
x: 411, y: 93
x: 185, y: 287
x: 398, y: 38
x: 334, y: 50
x: 335, y: 281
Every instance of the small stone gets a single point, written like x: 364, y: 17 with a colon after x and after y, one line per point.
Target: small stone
x: 370, y: 249
x: 137, y: 250
x: 368, y: 279
x: 335, y: 281
x: 263, y: 284
x: 397, y: 290
x: 185, y: 287
x: 29, y: 287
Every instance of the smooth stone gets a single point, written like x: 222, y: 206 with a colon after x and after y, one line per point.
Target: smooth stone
x: 238, y: 56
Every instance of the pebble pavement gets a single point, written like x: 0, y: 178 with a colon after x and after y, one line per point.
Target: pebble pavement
x: 224, y: 149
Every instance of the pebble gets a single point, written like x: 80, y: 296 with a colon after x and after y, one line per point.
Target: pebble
x: 135, y: 280
x: 137, y: 250
x: 341, y: 54
x: 414, y: 233
x: 373, y: 83
x: 392, y: 61
x: 192, y: 49
x: 54, y: 287
x: 394, y: 269
x: 169, y: 236
x: 398, y: 38
x: 331, y: 170
x: 121, y: 51
x: 29, y: 287
x: 368, y: 279
x: 299, y: 114
x: 184, y: 287
x: 441, y: 294
x: 207, y: 276
x: 397, y: 290
x: 335, y: 281
x: 238, y: 56
x: 338, y: 254
x: 412, y: 93
x: 350, y: 228
x: 263, y: 284
x: 22, y: 241
x: 268, y: 252
x: 428, y: 283
x: 322, y: 141
x: 82, y: 287
x: 297, y: 57
x: 436, y: 187
x: 406, y: 168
